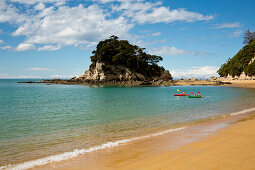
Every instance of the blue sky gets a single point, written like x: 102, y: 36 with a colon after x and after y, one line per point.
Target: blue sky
x: 55, y: 38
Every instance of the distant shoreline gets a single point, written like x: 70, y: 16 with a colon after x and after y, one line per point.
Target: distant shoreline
x: 179, y: 82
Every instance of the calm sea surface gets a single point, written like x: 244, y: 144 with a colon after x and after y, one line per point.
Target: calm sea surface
x: 39, y: 120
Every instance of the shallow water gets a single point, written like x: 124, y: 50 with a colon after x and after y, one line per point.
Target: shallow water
x: 39, y: 120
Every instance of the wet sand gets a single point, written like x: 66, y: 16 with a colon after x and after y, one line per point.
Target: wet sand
x: 241, y: 83
x: 222, y: 143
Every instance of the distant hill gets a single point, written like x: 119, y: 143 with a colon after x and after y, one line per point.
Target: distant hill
x: 243, y: 63
x: 118, y: 60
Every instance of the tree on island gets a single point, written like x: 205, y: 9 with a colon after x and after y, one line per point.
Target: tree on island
x: 248, y: 37
x: 243, y: 61
x: 115, y: 52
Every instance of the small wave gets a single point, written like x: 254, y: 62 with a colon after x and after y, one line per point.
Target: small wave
x: 242, y: 111
x: 77, y: 152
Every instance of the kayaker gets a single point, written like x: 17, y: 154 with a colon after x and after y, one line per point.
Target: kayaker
x: 183, y: 92
x: 198, y: 94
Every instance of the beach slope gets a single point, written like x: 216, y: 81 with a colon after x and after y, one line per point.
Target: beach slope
x: 241, y: 83
x: 224, y: 143
x: 231, y: 148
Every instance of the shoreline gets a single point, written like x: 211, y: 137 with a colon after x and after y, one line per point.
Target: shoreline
x: 178, y: 137
x: 170, y: 150
x: 241, y: 83
x: 225, y: 83
x: 181, y: 82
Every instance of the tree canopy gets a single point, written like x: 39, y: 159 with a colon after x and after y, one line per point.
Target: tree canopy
x: 117, y: 52
x: 241, y: 62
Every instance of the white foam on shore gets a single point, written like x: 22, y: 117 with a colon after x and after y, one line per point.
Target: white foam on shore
x: 242, y: 111
x: 77, y: 152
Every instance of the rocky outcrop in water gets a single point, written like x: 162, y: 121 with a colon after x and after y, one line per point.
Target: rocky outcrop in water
x: 113, y: 73
x: 118, y: 73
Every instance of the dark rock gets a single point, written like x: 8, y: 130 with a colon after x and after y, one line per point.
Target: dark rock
x: 166, y: 76
x: 145, y: 83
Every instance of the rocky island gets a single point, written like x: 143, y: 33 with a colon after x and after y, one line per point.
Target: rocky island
x: 117, y: 62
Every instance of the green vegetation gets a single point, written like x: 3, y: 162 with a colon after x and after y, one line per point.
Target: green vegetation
x: 242, y: 60
x: 248, y: 37
x: 115, y: 52
x: 250, y: 70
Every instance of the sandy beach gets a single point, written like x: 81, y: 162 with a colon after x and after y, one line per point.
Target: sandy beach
x: 231, y: 148
x: 223, y: 143
x: 241, y: 83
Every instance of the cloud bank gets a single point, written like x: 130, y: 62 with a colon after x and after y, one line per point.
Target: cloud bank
x: 40, y: 69
x: 53, y: 24
x: 228, y: 25
x: 195, y: 72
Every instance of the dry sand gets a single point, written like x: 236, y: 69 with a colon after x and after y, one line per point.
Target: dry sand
x: 232, y: 148
x: 223, y: 143
x: 241, y: 83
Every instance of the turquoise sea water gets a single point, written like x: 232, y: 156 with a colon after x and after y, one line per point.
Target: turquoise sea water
x: 39, y: 120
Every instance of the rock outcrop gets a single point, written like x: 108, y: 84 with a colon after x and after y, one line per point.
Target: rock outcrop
x: 107, y: 73
x: 166, y: 76
x: 95, y: 74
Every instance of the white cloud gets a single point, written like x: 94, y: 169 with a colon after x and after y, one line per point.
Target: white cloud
x: 8, y: 76
x: 167, y: 51
x: 6, y: 47
x: 198, y: 72
x: 62, y: 76
x: 40, y: 69
x: 39, y: 6
x: 25, y: 47
x: 32, y: 2
x: 145, y: 12
x: 9, y: 13
x: 173, y: 51
x: 163, y: 14
x: 236, y: 33
x: 107, y: 1
x: 156, y: 34
x: 78, y: 26
x: 59, y: 25
x: 49, y: 48
x: 1, y: 41
x: 228, y: 25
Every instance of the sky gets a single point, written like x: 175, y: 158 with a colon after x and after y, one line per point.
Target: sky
x: 55, y: 38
